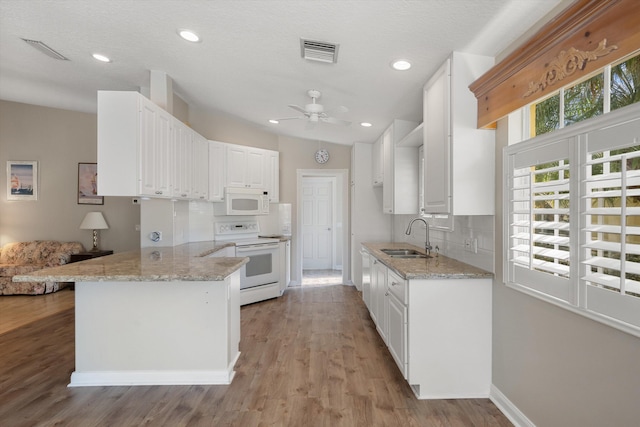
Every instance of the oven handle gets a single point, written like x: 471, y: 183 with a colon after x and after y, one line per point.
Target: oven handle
x: 247, y: 248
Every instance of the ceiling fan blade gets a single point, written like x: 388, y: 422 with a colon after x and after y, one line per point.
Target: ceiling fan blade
x: 298, y: 108
x: 291, y: 118
x: 335, y: 121
x: 338, y: 109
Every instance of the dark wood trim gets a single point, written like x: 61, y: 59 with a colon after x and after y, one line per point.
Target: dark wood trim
x: 582, y: 26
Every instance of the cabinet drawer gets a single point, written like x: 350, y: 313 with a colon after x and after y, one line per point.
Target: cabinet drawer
x: 397, y: 286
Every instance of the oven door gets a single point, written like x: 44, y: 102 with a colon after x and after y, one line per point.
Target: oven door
x: 263, y: 266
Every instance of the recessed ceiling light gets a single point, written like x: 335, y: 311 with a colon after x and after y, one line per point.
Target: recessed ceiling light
x: 189, y: 35
x: 401, y: 65
x: 365, y: 124
x: 275, y: 122
x: 101, y: 58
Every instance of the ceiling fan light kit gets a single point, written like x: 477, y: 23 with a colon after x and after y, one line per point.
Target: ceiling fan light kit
x: 315, y: 112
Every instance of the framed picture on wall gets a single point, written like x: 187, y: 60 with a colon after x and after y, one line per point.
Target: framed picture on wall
x: 87, y: 184
x: 22, y: 180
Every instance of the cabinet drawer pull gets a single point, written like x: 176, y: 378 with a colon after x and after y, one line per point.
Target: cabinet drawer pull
x: 158, y: 192
x: 394, y: 283
x: 386, y: 294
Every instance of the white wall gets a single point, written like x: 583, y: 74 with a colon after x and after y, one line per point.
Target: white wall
x: 58, y: 140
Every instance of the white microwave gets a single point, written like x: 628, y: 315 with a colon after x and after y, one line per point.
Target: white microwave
x: 246, y: 201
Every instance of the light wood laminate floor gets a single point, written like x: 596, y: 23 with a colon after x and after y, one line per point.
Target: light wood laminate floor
x: 19, y: 310
x: 309, y: 358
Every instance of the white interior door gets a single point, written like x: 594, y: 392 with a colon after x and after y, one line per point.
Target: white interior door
x: 317, y: 223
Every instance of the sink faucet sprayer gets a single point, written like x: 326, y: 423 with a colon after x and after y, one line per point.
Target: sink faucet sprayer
x: 427, y: 244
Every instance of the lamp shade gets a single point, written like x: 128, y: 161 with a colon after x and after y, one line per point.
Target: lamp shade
x: 94, y: 221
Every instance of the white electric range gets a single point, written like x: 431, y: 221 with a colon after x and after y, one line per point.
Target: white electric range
x: 260, y: 277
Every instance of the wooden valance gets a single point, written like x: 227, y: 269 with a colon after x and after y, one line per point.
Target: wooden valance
x: 583, y: 38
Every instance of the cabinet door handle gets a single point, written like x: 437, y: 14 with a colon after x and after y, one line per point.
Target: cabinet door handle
x: 394, y: 283
x: 375, y: 261
x: 386, y: 294
x: 158, y: 192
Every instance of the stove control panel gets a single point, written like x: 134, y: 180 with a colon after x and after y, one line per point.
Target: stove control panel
x: 236, y: 229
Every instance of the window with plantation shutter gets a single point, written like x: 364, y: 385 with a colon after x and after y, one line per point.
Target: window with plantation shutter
x: 611, y: 222
x: 572, y: 218
x: 539, y: 216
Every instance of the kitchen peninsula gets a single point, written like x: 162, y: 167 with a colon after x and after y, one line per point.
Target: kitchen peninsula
x: 156, y: 316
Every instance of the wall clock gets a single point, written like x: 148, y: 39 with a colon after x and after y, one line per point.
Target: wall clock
x: 322, y: 156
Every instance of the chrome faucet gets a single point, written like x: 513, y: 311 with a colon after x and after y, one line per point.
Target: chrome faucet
x: 427, y: 244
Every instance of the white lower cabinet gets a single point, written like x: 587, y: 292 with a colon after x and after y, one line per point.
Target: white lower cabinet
x: 366, y: 278
x: 397, y: 332
x: 378, y: 291
x: 438, y: 331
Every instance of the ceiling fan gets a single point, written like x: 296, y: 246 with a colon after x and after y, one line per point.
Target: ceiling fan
x: 315, y: 113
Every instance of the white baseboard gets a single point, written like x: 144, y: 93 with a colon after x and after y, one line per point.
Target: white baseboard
x: 128, y: 378
x: 510, y: 410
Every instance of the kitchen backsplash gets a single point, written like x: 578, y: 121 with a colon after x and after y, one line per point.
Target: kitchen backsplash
x: 452, y: 243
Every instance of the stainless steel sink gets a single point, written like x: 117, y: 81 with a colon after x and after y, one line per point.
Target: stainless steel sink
x: 404, y: 253
x: 410, y: 256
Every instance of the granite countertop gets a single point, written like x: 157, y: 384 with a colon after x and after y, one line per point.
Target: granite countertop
x: 187, y: 262
x: 437, y: 267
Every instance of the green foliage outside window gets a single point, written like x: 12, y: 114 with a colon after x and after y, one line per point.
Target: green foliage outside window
x: 625, y: 83
x: 586, y: 99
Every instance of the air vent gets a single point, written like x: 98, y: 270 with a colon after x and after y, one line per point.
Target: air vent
x: 319, y: 51
x: 45, y: 49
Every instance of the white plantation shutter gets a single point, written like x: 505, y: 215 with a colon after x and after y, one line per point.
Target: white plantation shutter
x: 611, y: 224
x: 539, y: 219
x: 572, y: 218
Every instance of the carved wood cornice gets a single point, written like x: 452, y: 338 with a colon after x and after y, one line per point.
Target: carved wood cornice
x: 576, y: 30
x: 566, y: 64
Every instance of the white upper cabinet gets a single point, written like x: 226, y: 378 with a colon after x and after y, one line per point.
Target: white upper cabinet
x: 217, y: 171
x: 245, y: 166
x: 376, y: 163
x: 182, y: 149
x: 253, y: 168
x: 145, y: 151
x: 272, y: 178
x: 135, y: 146
x: 400, y: 170
x: 459, y: 158
x: 200, y: 168
x: 155, y: 151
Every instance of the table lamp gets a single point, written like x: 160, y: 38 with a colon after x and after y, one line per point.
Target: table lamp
x: 94, y: 221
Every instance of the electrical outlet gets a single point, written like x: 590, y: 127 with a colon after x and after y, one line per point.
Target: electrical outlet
x: 471, y: 245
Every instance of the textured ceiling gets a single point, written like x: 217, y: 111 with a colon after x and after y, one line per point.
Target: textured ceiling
x: 248, y: 63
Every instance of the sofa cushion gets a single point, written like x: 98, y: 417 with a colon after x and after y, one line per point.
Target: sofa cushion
x: 47, y: 253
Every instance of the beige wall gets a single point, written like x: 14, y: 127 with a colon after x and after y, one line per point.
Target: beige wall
x: 219, y: 127
x: 557, y: 367
x: 58, y: 140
